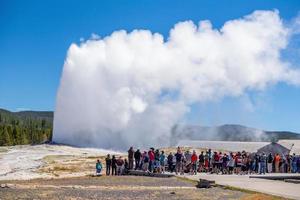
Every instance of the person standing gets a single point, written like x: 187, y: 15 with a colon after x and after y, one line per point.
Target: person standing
x: 126, y: 167
x: 294, y: 163
x: 209, y: 153
x: 194, y: 159
x: 179, y: 159
x: 145, y: 161
x: 113, y: 165
x: 108, y: 164
x: 206, y: 162
x: 120, y: 166
x: 224, y: 164
x: 170, y: 162
x: 188, y: 157
x: 98, y: 168
x: 151, y: 159
x: 201, y: 162
x: 130, y: 158
x: 270, y: 162
x: 263, y: 160
x: 298, y: 164
x: 162, y: 159
x: 277, y: 161
x: 157, y: 161
x: 137, y: 159
x: 231, y: 163
x: 288, y: 164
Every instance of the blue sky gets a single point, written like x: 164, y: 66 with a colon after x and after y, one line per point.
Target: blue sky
x: 35, y: 36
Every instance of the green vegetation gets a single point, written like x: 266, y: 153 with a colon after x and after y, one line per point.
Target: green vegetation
x: 26, y: 127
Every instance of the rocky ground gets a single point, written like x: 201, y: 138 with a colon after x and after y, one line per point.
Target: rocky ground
x: 121, y: 187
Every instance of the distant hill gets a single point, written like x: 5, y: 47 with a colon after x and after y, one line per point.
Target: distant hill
x: 25, y: 127
x: 48, y: 115
x: 35, y: 127
x: 229, y: 132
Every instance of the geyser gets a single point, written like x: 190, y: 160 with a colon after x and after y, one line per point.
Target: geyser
x: 131, y: 88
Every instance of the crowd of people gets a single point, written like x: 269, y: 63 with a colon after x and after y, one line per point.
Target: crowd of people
x: 190, y: 162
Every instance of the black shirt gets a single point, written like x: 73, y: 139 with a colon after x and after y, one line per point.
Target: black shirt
x: 108, y: 161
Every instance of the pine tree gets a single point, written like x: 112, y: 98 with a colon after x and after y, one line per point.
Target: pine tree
x: 14, y: 136
x: 6, y: 138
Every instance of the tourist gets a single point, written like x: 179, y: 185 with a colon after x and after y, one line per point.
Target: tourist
x: 108, y: 164
x: 188, y: 157
x: 120, y: 166
x: 231, y: 163
x: 224, y: 164
x: 113, y: 165
x: 215, y: 159
x: 270, y: 162
x: 145, y: 161
x: 209, y: 153
x: 157, y: 161
x: 286, y: 164
x: 238, y: 161
x: 277, y: 162
x: 298, y: 164
x: 151, y: 159
x: 98, y: 168
x: 179, y: 159
x: 126, y: 167
x: 294, y: 163
x: 194, y: 159
x: 130, y: 157
x: 256, y: 163
x: 263, y: 160
x: 170, y: 162
x: 162, y: 159
x: 252, y: 163
x: 244, y: 161
x: 137, y: 158
x: 201, y: 162
x: 207, y: 162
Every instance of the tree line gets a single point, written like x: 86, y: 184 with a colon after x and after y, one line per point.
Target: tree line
x: 27, y: 127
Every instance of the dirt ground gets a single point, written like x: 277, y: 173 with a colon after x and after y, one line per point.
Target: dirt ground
x: 121, y: 187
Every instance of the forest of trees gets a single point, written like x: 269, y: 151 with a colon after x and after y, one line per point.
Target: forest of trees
x: 26, y: 127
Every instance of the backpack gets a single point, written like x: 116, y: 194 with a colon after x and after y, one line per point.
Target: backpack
x: 98, y: 166
x: 146, y: 159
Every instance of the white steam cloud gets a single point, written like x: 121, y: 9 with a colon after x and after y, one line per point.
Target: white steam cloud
x: 131, y: 88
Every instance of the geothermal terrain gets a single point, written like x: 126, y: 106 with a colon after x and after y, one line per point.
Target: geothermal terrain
x: 48, y: 161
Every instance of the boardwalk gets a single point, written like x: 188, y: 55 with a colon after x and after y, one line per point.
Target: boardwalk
x: 278, y: 188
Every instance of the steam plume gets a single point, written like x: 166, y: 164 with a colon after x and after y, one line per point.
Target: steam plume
x: 131, y: 88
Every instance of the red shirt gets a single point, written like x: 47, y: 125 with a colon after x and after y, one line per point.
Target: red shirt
x: 151, y: 155
x: 194, y: 158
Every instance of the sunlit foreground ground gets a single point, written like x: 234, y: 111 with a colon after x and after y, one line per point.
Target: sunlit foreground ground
x: 63, y: 172
x: 122, y: 187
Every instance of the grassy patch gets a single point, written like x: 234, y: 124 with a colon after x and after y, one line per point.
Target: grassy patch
x: 260, y: 196
x: 236, y: 189
x: 251, y: 195
x: 3, y: 149
x: 63, y: 168
x: 187, y: 180
x: 53, y: 158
